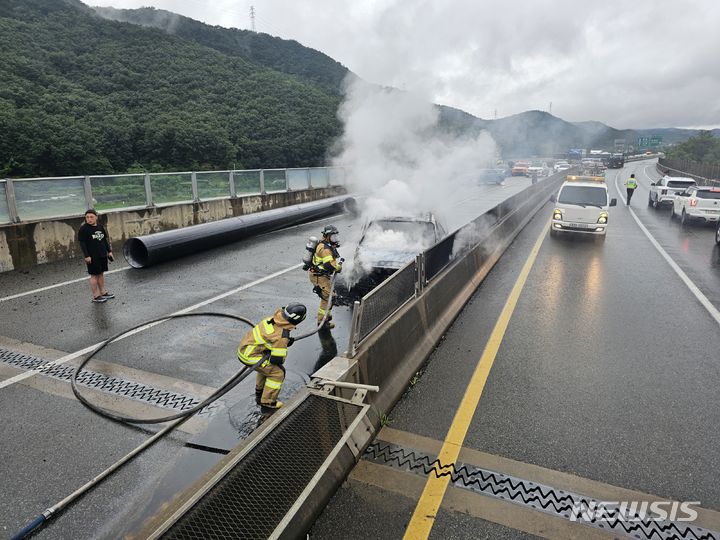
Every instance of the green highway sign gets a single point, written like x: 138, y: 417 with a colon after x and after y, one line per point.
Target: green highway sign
x: 647, y: 142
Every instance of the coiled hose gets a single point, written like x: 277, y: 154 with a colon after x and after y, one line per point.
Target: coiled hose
x: 175, y: 419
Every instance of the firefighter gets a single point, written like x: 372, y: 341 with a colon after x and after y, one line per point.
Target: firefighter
x: 265, y: 348
x: 326, y: 261
x: 631, y: 185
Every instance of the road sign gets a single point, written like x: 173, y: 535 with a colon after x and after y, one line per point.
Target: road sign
x: 647, y: 142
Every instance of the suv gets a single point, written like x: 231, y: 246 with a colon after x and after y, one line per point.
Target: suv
x: 665, y: 189
x: 581, y: 207
x: 697, y: 203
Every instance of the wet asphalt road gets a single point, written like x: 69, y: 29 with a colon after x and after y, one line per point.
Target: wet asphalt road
x: 52, y: 444
x: 609, y: 371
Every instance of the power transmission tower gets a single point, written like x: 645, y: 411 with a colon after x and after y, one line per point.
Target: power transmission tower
x: 252, y: 18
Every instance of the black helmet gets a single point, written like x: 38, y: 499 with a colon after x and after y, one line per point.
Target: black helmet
x: 294, y: 313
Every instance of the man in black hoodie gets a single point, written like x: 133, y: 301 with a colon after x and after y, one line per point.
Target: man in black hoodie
x: 96, y: 248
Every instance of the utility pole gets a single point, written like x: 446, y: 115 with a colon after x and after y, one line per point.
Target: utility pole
x: 252, y: 18
x: 495, y: 114
x: 550, y: 108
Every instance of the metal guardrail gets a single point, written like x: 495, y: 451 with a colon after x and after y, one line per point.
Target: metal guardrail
x: 28, y: 199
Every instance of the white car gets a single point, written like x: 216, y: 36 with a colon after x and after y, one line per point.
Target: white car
x: 561, y: 166
x: 581, y: 207
x: 665, y: 189
x: 698, y: 203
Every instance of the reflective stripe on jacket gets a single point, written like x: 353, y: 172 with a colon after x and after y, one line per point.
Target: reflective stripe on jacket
x: 325, y: 259
x: 631, y: 183
x: 270, y: 337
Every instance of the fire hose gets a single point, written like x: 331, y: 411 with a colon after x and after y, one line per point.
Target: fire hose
x: 175, y: 419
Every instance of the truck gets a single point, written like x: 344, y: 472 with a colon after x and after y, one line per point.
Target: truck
x: 616, y: 161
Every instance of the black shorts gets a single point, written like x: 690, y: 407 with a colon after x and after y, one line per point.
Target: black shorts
x: 97, y: 266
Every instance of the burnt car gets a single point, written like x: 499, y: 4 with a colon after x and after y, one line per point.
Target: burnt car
x: 386, y: 245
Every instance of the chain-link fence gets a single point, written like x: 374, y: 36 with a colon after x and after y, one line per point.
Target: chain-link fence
x: 30, y: 199
x: 386, y: 299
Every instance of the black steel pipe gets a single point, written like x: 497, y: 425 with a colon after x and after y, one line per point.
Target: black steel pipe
x: 143, y: 251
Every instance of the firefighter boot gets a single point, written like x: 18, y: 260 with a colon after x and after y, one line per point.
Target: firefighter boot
x: 269, y: 408
x: 258, y: 395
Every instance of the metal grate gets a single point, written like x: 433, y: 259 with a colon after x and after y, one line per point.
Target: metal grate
x: 252, y: 499
x: 105, y: 383
x: 438, y: 257
x: 387, y: 298
x: 540, y: 497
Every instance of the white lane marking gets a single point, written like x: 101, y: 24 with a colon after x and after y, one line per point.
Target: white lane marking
x: 11, y: 297
x: 712, y: 310
x: 76, y: 354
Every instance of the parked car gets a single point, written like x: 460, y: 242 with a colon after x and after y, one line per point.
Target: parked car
x: 664, y: 190
x: 698, y: 203
x: 561, y: 166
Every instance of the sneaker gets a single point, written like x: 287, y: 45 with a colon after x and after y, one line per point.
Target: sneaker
x: 99, y: 300
x: 265, y: 408
x: 107, y: 295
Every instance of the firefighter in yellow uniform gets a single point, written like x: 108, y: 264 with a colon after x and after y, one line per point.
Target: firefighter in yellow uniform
x: 264, y: 348
x: 326, y: 261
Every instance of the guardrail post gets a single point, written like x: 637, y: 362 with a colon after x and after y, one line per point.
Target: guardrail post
x: 10, y: 196
x: 88, y: 192
x: 262, y: 181
x: 231, y: 179
x: 354, y: 328
x: 193, y: 183
x: 419, y: 274
x: 148, y: 191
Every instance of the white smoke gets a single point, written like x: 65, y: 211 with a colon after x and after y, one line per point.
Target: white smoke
x: 396, y: 154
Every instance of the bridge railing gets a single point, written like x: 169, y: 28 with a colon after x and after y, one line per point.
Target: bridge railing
x: 705, y: 173
x: 29, y: 199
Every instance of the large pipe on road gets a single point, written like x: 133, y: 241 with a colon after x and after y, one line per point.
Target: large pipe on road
x: 143, y: 251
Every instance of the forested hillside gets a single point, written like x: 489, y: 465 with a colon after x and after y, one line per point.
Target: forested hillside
x: 81, y: 95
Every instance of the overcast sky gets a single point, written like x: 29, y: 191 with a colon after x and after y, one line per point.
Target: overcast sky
x: 637, y: 64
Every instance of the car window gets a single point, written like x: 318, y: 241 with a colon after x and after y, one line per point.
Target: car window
x: 679, y: 184
x: 707, y: 194
x: 588, y: 195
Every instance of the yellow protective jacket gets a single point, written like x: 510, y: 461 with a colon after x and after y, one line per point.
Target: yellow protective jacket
x: 269, y: 337
x: 325, y: 259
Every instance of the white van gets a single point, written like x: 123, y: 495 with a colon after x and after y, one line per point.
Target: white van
x: 581, y: 207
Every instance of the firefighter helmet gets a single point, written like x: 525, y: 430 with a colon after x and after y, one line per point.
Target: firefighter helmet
x: 331, y: 233
x: 294, y: 313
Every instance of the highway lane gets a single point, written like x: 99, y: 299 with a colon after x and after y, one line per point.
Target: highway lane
x: 692, y: 247
x: 605, y: 381
x: 53, y: 444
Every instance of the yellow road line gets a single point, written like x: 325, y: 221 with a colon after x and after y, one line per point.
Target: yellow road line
x: 429, y: 503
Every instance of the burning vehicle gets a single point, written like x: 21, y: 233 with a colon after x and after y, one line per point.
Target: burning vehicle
x: 385, y: 246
